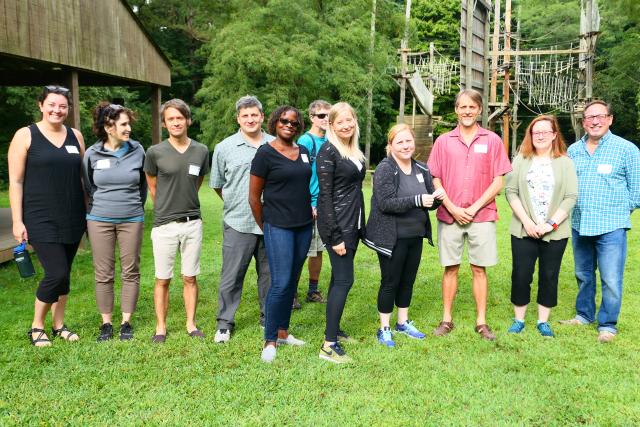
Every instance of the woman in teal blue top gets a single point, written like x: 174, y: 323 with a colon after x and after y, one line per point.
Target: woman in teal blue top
x: 114, y: 181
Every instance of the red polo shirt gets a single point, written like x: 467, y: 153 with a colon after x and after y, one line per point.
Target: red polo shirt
x: 466, y: 172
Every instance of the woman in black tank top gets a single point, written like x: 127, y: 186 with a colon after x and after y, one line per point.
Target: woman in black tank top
x: 47, y: 204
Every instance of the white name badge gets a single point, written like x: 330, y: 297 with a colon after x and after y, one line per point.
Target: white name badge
x: 420, y: 178
x: 103, y: 164
x: 304, y: 157
x: 604, y: 169
x: 357, y: 163
x: 71, y: 149
x: 480, y: 148
x: 194, y: 170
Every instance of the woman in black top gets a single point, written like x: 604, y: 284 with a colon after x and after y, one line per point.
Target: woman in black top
x: 340, y: 166
x: 281, y: 205
x: 402, y: 192
x: 47, y: 204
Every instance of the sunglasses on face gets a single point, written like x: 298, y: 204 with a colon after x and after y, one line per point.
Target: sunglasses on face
x: 285, y: 122
x: 321, y: 115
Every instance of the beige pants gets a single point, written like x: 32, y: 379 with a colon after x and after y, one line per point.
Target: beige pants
x: 103, y: 237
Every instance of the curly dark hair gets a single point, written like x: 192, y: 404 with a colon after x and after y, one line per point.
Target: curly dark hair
x: 278, y: 112
x: 106, y: 114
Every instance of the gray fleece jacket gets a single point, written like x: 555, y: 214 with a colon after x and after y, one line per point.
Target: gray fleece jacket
x: 117, y: 187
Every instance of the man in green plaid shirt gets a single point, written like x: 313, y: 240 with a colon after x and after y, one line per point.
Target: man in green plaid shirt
x: 608, y: 170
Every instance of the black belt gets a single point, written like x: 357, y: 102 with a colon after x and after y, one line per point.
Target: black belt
x: 187, y: 218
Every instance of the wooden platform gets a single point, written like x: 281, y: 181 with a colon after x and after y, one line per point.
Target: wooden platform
x: 7, y: 242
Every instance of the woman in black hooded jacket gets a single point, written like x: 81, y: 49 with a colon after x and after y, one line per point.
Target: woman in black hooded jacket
x: 403, y: 192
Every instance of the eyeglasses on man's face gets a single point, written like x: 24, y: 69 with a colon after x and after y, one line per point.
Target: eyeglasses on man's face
x: 592, y: 117
x: 321, y: 115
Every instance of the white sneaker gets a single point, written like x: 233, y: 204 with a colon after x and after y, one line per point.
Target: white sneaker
x: 222, y: 336
x: 606, y: 336
x: 268, y: 353
x: 290, y: 340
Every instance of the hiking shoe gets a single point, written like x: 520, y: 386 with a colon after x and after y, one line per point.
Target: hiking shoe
x: 268, y: 353
x: 516, y: 327
x: 344, y: 338
x: 106, y: 332
x: 315, y: 296
x: 334, y: 353
x: 545, y: 329
x: 385, y: 337
x: 409, y: 330
x: 443, y: 329
x: 222, y: 336
x: 605, y: 337
x: 290, y: 340
x: 485, y: 332
x: 296, y: 304
x: 126, y: 332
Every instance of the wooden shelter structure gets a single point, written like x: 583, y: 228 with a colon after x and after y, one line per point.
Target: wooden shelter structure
x: 78, y: 43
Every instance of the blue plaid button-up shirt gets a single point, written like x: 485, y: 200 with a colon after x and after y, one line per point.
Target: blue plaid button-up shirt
x: 608, y: 185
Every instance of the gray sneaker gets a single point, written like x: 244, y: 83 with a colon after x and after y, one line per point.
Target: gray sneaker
x: 268, y: 354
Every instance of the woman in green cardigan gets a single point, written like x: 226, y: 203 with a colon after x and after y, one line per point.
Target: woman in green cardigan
x: 542, y: 190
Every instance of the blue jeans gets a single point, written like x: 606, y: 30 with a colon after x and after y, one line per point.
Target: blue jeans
x: 606, y: 252
x: 286, y: 251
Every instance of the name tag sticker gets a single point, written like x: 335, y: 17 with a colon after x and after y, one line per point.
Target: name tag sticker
x: 604, y: 169
x: 103, y: 164
x: 304, y: 157
x: 72, y: 149
x: 420, y: 177
x: 194, y: 170
x: 357, y: 163
x: 480, y: 148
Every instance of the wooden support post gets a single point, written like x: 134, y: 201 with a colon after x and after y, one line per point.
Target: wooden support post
x: 494, y: 55
x: 404, y: 48
x: 73, y: 119
x: 506, y: 118
x: 468, y: 70
x: 156, y: 122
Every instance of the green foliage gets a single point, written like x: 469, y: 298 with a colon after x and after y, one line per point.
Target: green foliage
x: 314, y: 50
x: 457, y: 380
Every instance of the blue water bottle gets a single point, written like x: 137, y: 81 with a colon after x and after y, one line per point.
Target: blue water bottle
x: 23, y: 260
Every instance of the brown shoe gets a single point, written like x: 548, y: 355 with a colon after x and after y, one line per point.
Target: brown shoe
x: 485, y: 332
x: 315, y: 296
x: 443, y: 329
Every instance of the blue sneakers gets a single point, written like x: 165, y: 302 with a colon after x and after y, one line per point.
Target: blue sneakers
x: 409, y: 330
x: 385, y: 337
x: 545, y: 329
x: 516, y: 327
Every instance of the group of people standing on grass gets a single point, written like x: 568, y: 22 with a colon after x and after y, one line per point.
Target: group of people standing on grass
x: 288, y: 196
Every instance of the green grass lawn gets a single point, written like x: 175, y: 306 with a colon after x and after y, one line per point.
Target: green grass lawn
x: 455, y: 380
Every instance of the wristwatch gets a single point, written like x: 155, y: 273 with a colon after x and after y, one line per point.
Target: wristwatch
x: 553, y: 224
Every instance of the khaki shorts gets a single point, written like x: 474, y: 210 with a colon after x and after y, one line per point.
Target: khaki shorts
x: 317, y: 246
x: 481, y: 238
x: 168, y: 238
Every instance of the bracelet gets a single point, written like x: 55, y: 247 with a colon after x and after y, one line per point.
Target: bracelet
x: 553, y: 224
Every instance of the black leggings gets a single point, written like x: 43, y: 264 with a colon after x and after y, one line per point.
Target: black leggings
x: 398, y: 274
x: 341, y: 282
x: 56, y: 260
x: 524, y: 253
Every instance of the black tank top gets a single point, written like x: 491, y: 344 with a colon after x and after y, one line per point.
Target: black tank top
x: 53, y: 208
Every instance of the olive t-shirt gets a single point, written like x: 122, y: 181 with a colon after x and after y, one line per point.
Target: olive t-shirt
x: 177, y: 179
x: 287, y: 202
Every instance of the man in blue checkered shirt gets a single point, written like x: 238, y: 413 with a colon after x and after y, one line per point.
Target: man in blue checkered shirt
x: 608, y: 170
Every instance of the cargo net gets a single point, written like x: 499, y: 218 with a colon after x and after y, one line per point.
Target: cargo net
x: 441, y: 75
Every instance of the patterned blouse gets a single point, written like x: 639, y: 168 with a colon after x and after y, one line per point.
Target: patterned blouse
x: 541, y: 181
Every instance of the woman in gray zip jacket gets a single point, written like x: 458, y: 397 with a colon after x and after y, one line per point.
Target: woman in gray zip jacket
x: 403, y: 192
x: 114, y: 180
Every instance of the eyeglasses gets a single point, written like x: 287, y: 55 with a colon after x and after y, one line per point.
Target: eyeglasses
x: 321, y: 115
x: 542, y: 133
x: 285, y: 122
x: 56, y: 89
x: 600, y: 117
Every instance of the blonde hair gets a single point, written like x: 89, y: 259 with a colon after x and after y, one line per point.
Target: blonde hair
x: 350, y: 150
x: 396, y: 129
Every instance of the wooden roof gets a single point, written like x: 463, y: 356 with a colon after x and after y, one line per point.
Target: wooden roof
x: 103, y: 40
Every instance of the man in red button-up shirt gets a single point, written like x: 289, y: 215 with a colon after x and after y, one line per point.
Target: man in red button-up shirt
x: 468, y: 163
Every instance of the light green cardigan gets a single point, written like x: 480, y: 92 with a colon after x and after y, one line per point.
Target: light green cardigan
x: 565, y: 194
